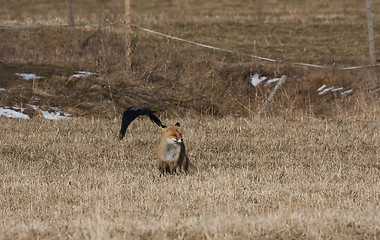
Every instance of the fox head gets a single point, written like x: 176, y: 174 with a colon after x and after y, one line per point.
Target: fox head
x: 173, y: 133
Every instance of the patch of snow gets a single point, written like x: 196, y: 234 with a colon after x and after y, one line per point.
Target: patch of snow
x: 271, y: 81
x: 325, y: 90
x: 10, y: 113
x: 56, y: 115
x: 2, y: 89
x: 256, y: 79
x: 346, y: 92
x: 27, y: 76
x: 337, y: 89
x: 322, y: 90
x: 83, y: 74
x: 16, y: 112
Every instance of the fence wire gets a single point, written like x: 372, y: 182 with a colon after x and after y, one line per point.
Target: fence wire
x: 36, y: 27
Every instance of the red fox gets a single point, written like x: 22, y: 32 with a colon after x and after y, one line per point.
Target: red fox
x: 171, y: 151
x: 170, y: 148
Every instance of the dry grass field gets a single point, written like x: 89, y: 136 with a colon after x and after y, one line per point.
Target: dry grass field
x: 173, y: 76
x: 308, y: 170
x: 278, y: 178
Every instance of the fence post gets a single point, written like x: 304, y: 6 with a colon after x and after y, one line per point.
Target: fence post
x: 370, y: 31
x: 278, y: 85
x: 72, y: 23
x: 127, y: 36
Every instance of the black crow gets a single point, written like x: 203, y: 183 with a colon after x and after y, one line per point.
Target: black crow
x: 132, y: 113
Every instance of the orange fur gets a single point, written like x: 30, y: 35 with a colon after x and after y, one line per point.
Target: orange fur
x: 171, y: 151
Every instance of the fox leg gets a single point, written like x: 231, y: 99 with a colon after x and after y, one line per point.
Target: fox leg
x: 162, y: 167
x: 172, y: 167
x: 183, y: 165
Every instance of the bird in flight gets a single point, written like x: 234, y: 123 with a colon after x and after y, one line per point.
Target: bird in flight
x: 132, y: 113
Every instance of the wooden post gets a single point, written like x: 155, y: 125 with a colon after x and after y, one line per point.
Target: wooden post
x: 72, y: 23
x: 70, y: 11
x: 280, y: 82
x: 370, y: 31
x: 127, y: 36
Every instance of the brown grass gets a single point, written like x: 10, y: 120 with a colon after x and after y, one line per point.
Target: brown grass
x: 261, y: 179
x: 180, y: 78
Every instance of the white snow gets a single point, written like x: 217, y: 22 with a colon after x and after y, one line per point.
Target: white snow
x: 346, y: 92
x: 256, y: 79
x: 337, y: 89
x: 2, y: 89
x: 16, y: 112
x: 323, y: 90
x: 55, y: 115
x: 27, y: 76
x: 271, y: 81
x: 10, y: 113
x: 83, y: 74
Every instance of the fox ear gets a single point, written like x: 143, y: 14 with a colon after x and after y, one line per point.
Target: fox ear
x: 177, y: 124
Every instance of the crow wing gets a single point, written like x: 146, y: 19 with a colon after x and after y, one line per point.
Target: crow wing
x: 132, y: 113
x: 157, y: 121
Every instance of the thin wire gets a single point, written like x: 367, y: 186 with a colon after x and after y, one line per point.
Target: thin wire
x: 29, y: 27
